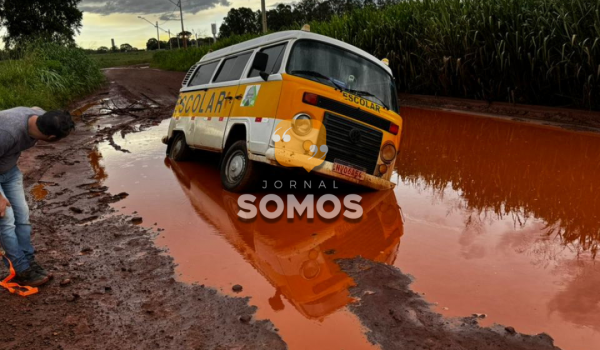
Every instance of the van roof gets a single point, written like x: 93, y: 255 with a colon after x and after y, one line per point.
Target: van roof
x: 287, y: 35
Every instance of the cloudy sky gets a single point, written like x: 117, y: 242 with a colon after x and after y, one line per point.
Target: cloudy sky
x: 118, y: 19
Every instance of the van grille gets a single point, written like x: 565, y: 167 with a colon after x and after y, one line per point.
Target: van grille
x: 354, y: 113
x: 363, y: 153
x: 188, y: 75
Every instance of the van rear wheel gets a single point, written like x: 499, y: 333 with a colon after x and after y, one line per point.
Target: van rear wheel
x: 179, y: 150
x: 238, y: 172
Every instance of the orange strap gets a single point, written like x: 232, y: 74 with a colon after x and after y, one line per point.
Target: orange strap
x: 15, y: 288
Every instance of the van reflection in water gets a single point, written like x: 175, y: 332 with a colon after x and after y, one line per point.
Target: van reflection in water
x: 298, y: 256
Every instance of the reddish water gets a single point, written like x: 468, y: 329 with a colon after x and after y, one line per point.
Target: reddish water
x: 501, y: 218
x: 39, y: 192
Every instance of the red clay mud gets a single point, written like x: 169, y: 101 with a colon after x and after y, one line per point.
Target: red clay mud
x: 121, y: 292
x: 509, y: 215
x: 167, y: 282
x: 300, y: 295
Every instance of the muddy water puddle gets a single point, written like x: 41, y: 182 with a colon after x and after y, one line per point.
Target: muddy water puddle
x: 496, y: 217
x: 39, y: 192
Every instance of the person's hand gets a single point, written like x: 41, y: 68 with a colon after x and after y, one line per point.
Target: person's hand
x: 4, y: 203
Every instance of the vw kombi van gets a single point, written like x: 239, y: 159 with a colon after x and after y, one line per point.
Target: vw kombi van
x: 291, y: 99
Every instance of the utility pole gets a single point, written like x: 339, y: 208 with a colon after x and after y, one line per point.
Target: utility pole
x: 196, y: 35
x: 178, y: 4
x: 213, y: 28
x: 170, y: 41
x: 264, y: 16
x: 157, y: 35
x: 154, y: 25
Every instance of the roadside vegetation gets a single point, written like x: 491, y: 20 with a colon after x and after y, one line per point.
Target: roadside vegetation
x: 544, y: 52
x: 120, y: 59
x: 41, y: 66
x: 47, y: 75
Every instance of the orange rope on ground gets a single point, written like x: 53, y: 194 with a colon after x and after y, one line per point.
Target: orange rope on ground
x: 15, y: 288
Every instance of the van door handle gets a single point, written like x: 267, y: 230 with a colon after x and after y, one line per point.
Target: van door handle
x: 238, y: 97
x: 229, y: 98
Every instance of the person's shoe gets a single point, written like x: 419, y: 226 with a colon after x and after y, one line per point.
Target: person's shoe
x: 36, y: 267
x: 31, y: 278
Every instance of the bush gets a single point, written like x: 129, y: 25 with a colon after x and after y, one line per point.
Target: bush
x: 47, y: 75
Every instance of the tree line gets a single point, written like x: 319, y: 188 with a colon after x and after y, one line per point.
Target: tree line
x: 284, y: 16
x: 49, y: 20
x: 177, y: 42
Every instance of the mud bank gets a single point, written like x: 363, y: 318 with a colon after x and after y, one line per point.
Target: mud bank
x: 113, y: 289
x: 398, y: 318
x: 566, y: 118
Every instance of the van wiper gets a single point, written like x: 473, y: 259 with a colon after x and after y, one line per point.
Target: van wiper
x: 312, y: 73
x: 338, y: 86
x: 365, y: 93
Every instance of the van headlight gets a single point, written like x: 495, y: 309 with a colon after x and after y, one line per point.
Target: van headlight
x: 388, y: 152
x: 302, y: 124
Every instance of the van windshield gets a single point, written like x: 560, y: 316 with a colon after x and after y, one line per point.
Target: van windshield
x: 344, y: 70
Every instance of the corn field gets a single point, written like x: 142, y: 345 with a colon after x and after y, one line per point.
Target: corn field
x: 544, y: 52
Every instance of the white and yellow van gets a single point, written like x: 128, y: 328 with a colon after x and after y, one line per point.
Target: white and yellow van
x: 294, y: 99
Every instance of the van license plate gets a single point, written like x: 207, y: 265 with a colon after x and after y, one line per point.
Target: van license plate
x: 349, y: 171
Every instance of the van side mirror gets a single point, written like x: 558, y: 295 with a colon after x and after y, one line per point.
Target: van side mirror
x: 260, y: 64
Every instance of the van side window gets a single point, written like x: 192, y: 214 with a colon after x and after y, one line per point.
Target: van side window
x: 232, y: 68
x: 203, y: 74
x: 275, y: 54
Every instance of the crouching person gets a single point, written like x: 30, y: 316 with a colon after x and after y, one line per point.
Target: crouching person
x: 20, y: 129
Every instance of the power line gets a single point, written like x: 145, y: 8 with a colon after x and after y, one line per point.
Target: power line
x: 178, y: 4
x: 156, y: 26
x: 170, y: 14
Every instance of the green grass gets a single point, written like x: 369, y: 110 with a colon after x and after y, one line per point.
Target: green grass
x: 48, y: 76
x: 544, y: 52
x: 119, y: 59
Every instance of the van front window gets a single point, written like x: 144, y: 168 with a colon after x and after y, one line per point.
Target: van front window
x: 344, y: 70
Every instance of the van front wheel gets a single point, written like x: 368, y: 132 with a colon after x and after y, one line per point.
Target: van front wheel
x: 238, y: 172
x: 179, y: 150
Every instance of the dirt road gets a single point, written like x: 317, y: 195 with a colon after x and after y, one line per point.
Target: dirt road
x: 115, y: 289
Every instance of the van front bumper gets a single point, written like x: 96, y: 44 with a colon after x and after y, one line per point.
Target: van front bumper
x: 326, y: 169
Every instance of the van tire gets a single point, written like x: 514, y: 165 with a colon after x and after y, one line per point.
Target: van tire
x: 179, y: 150
x: 234, y: 178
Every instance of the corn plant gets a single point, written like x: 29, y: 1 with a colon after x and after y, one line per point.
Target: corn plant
x: 526, y: 51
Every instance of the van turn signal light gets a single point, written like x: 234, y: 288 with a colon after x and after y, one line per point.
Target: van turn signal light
x: 310, y: 98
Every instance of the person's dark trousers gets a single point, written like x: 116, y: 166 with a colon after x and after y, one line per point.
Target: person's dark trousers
x: 15, y: 228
